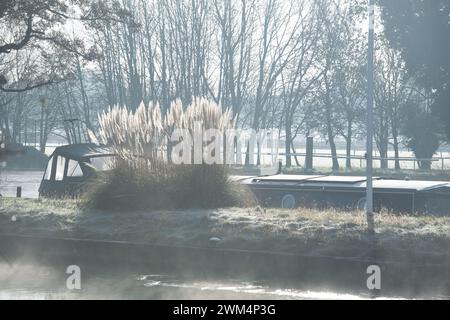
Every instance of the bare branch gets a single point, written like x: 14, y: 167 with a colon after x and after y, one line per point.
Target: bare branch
x: 6, y: 48
x: 28, y: 87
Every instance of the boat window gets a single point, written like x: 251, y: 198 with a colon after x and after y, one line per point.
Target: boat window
x: 73, y: 169
x: 48, y: 170
x: 102, y: 163
x: 60, y: 162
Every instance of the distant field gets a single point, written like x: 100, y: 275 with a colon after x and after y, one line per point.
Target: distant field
x: 324, y: 160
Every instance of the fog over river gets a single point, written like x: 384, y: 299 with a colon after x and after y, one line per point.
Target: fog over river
x: 39, y: 282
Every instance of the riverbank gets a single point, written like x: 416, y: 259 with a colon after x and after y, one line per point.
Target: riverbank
x: 296, y: 231
x: 315, y: 249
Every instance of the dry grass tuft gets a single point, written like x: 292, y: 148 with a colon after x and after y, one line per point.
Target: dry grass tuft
x: 144, y: 175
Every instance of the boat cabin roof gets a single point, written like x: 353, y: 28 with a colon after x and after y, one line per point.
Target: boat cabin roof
x: 345, y: 182
x: 82, y: 152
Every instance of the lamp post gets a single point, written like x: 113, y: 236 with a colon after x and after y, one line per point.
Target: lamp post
x: 369, y: 151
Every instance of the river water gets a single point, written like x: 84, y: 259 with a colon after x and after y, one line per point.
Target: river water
x: 28, y: 180
x: 45, y: 283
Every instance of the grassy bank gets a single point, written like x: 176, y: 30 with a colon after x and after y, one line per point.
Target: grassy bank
x: 298, y: 231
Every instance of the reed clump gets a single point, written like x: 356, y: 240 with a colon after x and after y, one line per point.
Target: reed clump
x: 144, y: 174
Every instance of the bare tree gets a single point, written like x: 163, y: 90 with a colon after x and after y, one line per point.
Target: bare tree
x: 393, y: 93
x: 236, y: 22
x: 302, y: 73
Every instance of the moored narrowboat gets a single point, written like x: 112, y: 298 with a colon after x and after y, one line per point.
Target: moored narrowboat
x: 348, y: 192
x: 70, y: 168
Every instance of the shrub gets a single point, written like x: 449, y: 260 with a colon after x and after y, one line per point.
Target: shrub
x: 144, y: 177
x: 129, y: 187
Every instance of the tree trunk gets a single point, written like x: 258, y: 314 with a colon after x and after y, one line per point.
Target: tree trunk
x: 85, y: 100
x: 288, y: 140
x: 17, y: 121
x: 333, y: 151
x: 425, y: 165
x: 396, y: 148
x: 42, y: 134
x: 383, y: 154
x: 348, y: 140
x: 330, y: 125
x: 7, y: 131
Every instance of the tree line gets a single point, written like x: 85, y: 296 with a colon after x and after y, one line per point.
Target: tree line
x: 299, y: 67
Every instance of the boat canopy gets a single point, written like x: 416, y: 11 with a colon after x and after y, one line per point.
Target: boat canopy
x: 82, y: 152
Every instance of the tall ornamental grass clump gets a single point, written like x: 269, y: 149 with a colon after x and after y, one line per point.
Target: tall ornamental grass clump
x: 144, y: 175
